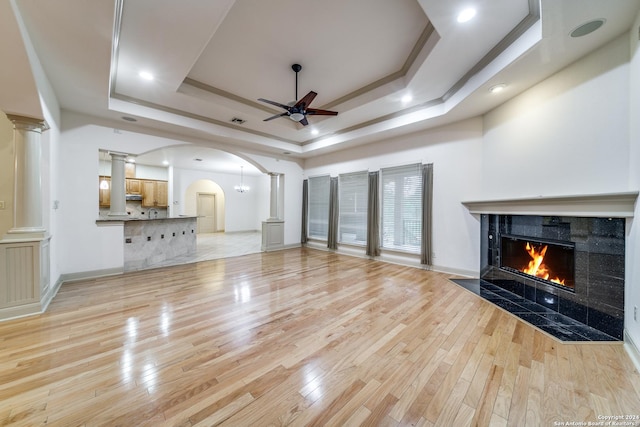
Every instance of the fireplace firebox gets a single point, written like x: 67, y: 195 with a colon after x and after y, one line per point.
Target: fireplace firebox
x: 551, y: 262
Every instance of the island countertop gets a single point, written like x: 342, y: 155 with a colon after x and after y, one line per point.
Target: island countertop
x: 102, y: 220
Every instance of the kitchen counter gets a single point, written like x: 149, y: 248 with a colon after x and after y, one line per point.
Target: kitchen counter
x: 103, y: 220
x: 149, y: 242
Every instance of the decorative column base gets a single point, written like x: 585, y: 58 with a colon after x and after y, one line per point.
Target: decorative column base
x: 25, y: 233
x: 272, y: 235
x: 25, y: 287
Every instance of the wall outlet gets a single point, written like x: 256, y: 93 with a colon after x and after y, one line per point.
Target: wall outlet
x: 635, y: 313
x: 1, y: 204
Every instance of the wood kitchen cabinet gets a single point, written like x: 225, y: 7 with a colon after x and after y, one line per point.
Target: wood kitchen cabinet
x: 154, y: 194
x: 162, y: 188
x: 134, y: 186
x: 105, y: 193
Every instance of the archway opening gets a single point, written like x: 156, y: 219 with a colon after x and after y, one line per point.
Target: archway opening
x: 205, y: 199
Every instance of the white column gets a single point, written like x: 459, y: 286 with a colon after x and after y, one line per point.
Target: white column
x: 118, y: 208
x: 275, y: 188
x: 273, y: 228
x: 27, y: 194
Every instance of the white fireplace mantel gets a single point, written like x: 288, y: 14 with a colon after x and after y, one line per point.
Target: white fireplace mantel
x: 608, y: 205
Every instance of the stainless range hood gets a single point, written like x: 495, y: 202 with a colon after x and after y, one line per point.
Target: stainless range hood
x: 133, y: 197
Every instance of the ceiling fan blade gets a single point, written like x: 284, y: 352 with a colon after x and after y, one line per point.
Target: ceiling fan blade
x: 304, y: 122
x: 306, y: 100
x: 277, y: 104
x: 276, y: 116
x: 317, y: 112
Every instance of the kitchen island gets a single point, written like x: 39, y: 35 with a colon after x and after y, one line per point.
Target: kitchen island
x: 148, y: 242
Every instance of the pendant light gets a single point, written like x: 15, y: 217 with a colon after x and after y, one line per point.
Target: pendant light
x: 241, y: 188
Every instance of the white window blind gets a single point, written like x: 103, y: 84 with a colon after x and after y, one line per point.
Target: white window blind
x: 353, y: 196
x: 402, y: 208
x: 319, y: 207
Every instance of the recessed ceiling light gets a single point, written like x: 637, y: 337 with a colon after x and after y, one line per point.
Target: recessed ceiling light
x: 587, y: 28
x: 497, y: 88
x: 165, y: 162
x: 314, y: 132
x: 146, y: 75
x: 197, y: 159
x: 131, y: 160
x: 466, y: 15
x: 406, y: 99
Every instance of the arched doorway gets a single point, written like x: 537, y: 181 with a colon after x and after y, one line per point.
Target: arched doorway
x: 206, y: 200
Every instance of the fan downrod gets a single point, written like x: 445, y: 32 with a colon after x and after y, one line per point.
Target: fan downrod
x: 296, y: 68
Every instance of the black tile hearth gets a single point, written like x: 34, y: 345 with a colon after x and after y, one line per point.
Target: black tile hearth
x: 549, y: 320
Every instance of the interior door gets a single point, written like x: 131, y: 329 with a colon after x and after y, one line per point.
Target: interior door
x: 206, y: 213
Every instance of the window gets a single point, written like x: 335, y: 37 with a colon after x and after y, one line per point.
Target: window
x: 352, y: 190
x: 402, y: 208
x: 319, y: 207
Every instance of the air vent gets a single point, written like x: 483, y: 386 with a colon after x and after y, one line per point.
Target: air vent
x: 237, y: 121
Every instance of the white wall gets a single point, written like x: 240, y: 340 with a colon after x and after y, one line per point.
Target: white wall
x: 152, y: 172
x: 50, y: 189
x: 6, y: 174
x: 566, y: 135
x: 455, y: 151
x: 86, y: 247
x: 632, y: 267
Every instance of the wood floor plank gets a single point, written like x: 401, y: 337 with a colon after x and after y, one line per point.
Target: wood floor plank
x: 297, y: 337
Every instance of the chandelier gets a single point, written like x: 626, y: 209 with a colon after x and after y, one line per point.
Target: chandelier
x: 242, y: 188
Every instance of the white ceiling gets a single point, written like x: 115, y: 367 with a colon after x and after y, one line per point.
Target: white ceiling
x: 212, y: 60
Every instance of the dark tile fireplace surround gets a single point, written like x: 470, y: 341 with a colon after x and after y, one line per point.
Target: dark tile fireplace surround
x: 597, y: 299
x: 594, y: 308
x: 586, y: 232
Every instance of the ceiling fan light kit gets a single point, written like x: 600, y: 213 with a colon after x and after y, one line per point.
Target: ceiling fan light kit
x: 299, y: 111
x: 296, y: 117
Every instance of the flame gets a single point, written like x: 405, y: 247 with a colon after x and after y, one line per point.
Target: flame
x: 536, y: 267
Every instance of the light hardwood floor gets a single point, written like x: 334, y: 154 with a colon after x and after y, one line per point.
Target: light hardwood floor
x: 297, y: 337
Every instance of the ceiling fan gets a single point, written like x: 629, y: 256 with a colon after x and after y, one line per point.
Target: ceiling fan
x: 299, y: 111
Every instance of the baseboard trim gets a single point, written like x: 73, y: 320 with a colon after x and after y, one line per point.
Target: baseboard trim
x: 393, y: 257
x: 22, y: 310
x: 93, y: 274
x: 456, y: 271
x: 282, y: 248
x: 50, y: 295
x: 239, y: 231
x: 632, y: 350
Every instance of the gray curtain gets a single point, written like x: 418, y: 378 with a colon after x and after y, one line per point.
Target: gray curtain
x: 332, y: 238
x: 373, y: 216
x: 305, y: 211
x: 427, y: 203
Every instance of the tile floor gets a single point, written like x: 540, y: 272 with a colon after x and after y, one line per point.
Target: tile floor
x: 219, y: 245
x: 562, y: 327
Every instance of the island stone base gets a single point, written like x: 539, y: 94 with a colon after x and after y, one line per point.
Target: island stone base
x: 150, y: 242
